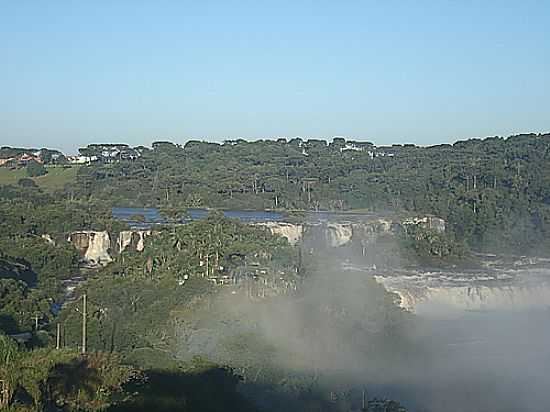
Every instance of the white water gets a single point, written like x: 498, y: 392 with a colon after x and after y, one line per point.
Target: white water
x: 292, y: 232
x: 98, y: 248
x: 440, y: 293
x: 338, y: 234
x: 95, y: 246
x: 485, y: 334
x: 126, y: 236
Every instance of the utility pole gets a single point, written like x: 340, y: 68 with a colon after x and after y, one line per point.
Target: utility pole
x: 58, y: 337
x: 35, y: 322
x: 364, y: 402
x: 84, y: 304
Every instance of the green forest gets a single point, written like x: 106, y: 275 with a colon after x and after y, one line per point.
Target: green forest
x: 148, y: 313
x: 216, y: 314
x: 494, y: 192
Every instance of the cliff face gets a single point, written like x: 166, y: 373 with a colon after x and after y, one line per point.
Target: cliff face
x: 135, y: 239
x: 97, y: 248
x: 332, y: 234
x: 94, y: 246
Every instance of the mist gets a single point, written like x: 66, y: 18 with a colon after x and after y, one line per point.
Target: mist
x: 341, y: 331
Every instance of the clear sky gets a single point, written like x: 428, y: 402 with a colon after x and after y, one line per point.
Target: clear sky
x: 425, y: 72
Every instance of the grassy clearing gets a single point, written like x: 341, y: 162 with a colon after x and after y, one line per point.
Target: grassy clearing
x: 10, y: 177
x: 56, y: 178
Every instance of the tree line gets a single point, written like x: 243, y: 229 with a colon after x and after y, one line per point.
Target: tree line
x: 494, y: 192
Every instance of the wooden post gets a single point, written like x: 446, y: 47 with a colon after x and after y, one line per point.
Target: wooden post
x: 84, y: 308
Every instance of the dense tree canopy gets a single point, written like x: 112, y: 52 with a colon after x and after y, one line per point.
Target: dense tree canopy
x: 494, y: 192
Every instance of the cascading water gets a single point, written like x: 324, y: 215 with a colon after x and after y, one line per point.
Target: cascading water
x: 292, y: 232
x: 132, y: 238
x: 443, y: 292
x: 338, y: 234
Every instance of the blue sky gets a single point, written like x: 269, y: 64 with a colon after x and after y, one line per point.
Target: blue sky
x: 424, y: 72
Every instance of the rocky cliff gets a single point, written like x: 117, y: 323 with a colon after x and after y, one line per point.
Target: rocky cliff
x: 337, y: 234
x: 94, y: 246
x: 135, y: 239
x: 97, y: 248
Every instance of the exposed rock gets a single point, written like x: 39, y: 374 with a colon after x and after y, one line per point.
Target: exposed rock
x: 80, y: 240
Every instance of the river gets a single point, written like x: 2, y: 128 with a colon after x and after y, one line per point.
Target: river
x: 153, y: 216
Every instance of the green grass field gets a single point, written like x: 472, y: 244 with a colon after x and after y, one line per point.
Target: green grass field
x: 56, y: 178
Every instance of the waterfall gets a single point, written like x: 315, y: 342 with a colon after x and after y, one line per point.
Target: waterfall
x: 293, y: 233
x: 98, y: 249
x: 93, y: 245
x: 132, y: 238
x: 124, y: 240
x: 338, y: 234
x: 142, y: 234
x: 434, y: 293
